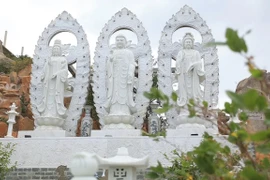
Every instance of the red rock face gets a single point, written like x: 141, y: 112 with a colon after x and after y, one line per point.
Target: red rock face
x: 15, y: 89
x: 3, y: 129
x: 25, y: 123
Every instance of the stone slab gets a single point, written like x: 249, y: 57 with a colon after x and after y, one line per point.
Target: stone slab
x: 190, y: 130
x: 116, y: 133
x: 42, y: 133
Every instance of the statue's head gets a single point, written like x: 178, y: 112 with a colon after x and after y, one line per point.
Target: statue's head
x: 56, y: 50
x: 120, y: 41
x: 188, y: 41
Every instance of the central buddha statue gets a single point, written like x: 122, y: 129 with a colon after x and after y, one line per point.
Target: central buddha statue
x: 120, y: 70
x: 189, y: 72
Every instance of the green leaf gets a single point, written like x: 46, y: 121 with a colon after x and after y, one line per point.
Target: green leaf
x: 260, y: 136
x: 243, y: 116
x: 236, y: 98
x: 252, y: 174
x: 148, y: 95
x: 205, y: 104
x: 242, y: 134
x: 228, y: 108
x: 234, y: 42
x: 267, y: 116
x: 233, y: 126
x: 164, y: 109
x: 266, y: 163
x: 158, y: 169
x: 226, y: 150
x: 263, y: 148
x: 205, y: 164
x: 152, y: 175
x: 256, y: 73
x: 174, y: 96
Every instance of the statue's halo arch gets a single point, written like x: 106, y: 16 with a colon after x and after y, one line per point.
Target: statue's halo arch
x: 81, y: 54
x: 187, y: 17
x: 123, y: 19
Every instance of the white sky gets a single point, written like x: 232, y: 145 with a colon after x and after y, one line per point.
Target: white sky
x: 26, y: 19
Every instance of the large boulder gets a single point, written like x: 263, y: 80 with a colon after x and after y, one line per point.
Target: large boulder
x: 255, y: 121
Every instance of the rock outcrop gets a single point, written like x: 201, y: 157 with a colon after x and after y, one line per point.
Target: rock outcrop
x: 255, y: 121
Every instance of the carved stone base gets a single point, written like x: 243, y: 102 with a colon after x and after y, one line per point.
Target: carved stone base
x: 118, y: 122
x: 49, y: 123
x: 183, y: 119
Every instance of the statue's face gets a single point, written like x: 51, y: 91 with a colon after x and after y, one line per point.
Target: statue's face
x: 188, y: 44
x: 56, y: 51
x: 120, y: 42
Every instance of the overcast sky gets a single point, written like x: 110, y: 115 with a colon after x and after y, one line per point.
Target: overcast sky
x: 26, y: 19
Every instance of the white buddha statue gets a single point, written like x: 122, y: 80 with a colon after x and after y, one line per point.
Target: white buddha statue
x: 189, y: 71
x: 54, y: 77
x: 120, y: 79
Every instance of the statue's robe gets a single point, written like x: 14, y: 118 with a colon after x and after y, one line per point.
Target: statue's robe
x: 120, y: 79
x: 190, y: 73
x: 52, y: 104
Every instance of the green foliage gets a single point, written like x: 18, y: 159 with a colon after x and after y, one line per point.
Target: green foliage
x: 24, y: 104
x: 183, y: 167
x: 206, y: 161
x: 5, y: 67
x: 5, y: 155
x: 21, y: 62
x: 156, y: 94
x: 90, y: 101
x: 210, y: 160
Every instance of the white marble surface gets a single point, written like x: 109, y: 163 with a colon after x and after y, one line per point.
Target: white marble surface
x: 52, y: 152
x: 116, y: 133
x: 42, y: 133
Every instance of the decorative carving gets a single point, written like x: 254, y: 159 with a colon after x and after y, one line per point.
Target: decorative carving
x: 123, y: 19
x: 79, y: 54
x: 187, y: 17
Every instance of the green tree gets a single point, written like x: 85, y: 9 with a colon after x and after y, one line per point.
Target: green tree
x: 21, y: 62
x: 5, y: 66
x: 90, y: 101
x: 5, y: 161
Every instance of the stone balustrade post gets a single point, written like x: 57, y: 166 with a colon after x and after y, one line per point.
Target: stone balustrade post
x: 11, y: 119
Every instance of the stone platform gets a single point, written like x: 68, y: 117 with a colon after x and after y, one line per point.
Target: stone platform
x: 53, y: 152
x: 116, y: 133
x: 42, y: 133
